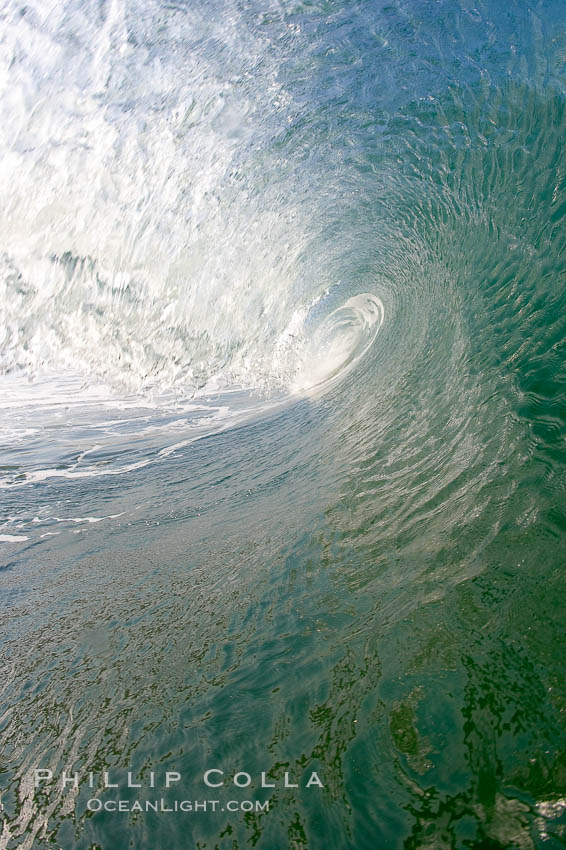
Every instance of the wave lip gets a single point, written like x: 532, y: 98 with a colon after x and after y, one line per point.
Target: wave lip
x: 339, y: 342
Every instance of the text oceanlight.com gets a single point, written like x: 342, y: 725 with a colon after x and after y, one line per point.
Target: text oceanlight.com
x: 162, y: 806
x: 46, y: 780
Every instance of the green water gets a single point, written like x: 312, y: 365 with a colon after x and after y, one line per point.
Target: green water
x: 367, y: 582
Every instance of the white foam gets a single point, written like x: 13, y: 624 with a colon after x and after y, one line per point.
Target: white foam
x: 137, y: 249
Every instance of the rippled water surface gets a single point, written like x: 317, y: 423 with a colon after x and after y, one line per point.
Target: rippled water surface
x: 283, y: 417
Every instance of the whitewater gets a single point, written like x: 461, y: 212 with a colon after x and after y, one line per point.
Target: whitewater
x: 282, y: 417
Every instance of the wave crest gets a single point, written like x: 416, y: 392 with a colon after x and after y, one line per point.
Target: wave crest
x: 339, y: 342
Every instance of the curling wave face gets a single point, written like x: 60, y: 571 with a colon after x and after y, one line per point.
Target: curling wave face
x: 339, y: 342
x: 284, y: 388
x: 157, y: 242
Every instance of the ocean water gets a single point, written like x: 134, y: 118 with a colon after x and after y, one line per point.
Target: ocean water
x: 283, y: 423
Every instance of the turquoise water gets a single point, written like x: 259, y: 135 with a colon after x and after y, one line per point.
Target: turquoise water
x: 284, y: 416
